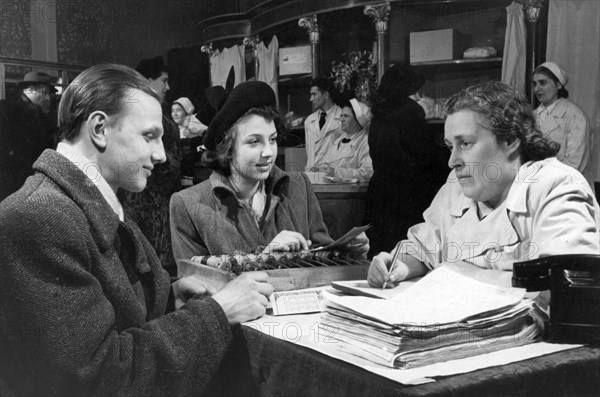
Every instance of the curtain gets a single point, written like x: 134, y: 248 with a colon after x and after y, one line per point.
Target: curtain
x: 268, y: 60
x: 2, y: 80
x: 573, y: 37
x: 222, y: 61
x: 515, y: 48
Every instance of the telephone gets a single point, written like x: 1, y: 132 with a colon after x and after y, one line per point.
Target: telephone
x: 574, y: 284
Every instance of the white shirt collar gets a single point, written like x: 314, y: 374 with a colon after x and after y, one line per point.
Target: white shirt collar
x: 548, y: 109
x: 92, y: 171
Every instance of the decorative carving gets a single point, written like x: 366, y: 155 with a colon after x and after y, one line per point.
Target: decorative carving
x: 251, y: 41
x: 380, y: 14
x: 532, y: 9
x: 312, y: 25
x: 208, y: 49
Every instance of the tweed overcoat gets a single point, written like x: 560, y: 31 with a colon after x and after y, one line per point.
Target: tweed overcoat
x: 84, y: 299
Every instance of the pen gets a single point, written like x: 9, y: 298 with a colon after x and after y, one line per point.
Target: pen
x: 393, y: 264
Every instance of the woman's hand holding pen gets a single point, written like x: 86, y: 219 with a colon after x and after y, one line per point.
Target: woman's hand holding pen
x: 379, y: 272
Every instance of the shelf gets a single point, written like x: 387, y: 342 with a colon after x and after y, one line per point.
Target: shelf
x: 460, y: 64
x: 294, y: 78
x: 469, y: 61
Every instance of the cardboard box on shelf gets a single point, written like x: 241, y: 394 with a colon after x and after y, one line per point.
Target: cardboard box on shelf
x: 436, y: 45
x: 295, y: 60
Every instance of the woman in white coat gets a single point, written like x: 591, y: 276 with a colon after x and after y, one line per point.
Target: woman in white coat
x: 561, y: 120
x: 507, y: 199
x: 348, y: 156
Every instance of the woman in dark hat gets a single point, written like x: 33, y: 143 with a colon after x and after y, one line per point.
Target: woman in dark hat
x: 248, y: 205
x: 402, y: 149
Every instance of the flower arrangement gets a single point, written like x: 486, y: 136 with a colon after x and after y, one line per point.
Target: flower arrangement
x: 355, y: 73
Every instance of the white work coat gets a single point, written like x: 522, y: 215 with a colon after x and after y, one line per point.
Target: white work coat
x: 314, y: 135
x: 349, y: 160
x: 565, y: 123
x: 550, y: 210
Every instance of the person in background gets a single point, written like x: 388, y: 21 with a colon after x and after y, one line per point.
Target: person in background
x: 182, y: 112
x: 403, y: 149
x: 150, y: 208
x: 84, y: 300
x: 322, y: 122
x: 248, y: 205
x: 348, y: 157
x: 507, y: 199
x: 26, y: 129
x: 560, y: 119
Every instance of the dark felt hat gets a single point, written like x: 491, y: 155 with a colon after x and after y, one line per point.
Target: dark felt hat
x: 36, y: 78
x: 216, y: 96
x: 401, y: 80
x: 247, y: 95
x: 151, y: 68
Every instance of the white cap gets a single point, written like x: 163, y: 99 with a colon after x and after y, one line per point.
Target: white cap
x: 362, y: 112
x: 557, y: 70
x: 186, y: 104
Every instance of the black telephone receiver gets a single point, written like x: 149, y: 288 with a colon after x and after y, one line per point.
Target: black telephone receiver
x: 574, y: 284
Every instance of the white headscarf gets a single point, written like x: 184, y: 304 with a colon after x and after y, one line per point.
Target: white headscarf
x: 557, y: 70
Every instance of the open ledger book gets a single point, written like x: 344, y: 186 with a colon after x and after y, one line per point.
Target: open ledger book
x: 444, y: 316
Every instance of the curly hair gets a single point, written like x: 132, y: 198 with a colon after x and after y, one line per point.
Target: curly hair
x: 220, y: 159
x: 507, y: 115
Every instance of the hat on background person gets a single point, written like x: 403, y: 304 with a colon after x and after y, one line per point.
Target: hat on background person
x: 362, y: 112
x: 36, y: 78
x: 556, y: 70
x: 186, y: 104
x: 216, y: 96
x: 151, y: 68
x: 247, y: 95
x: 401, y: 80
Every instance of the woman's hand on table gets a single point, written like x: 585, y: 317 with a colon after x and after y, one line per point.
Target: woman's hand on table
x: 287, y: 241
x: 359, y: 246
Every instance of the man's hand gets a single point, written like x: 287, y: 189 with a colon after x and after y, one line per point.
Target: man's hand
x: 188, y: 287
x: 245, y: 298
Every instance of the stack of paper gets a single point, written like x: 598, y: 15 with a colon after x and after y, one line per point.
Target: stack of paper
x: 443, y: 316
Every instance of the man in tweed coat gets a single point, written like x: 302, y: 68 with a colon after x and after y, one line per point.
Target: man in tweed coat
x: 85, y: 306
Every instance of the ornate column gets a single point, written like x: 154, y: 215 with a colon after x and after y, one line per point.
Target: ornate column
x: 314, y: 34
x: 532, y: 10
x: 252, y: 42
x: 380, y: 14
x: 209, y: 51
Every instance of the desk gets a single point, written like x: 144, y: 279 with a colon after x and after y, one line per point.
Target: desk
x: 272, y: 367
x: 342, y: 205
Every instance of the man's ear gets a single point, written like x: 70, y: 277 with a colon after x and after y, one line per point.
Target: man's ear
x: 97, y: 124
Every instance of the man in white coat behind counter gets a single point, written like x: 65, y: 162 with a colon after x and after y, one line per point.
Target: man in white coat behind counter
x: 323, y: 121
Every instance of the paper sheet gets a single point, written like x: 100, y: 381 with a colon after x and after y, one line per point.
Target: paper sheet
x: 294, y: 302
x: 443, y: 296
x: 362, y: 288
x: 345, y: 239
